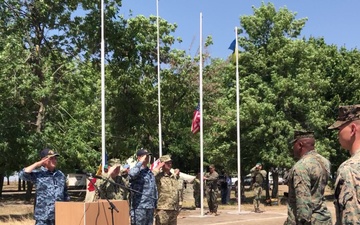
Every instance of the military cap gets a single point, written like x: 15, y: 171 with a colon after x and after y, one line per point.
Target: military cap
x: 48, y: 153
x: 258, y: 164
x: 114, y: 162
x: 346, y: 114
x: 298, y: 134
x: 165, y: 158
x: 212, y: 166
x: 142, y: 152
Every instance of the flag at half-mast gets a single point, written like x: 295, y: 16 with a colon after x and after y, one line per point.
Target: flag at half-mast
x: 195, y: 125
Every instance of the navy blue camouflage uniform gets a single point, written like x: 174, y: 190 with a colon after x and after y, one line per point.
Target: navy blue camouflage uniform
x: 50, y: 187
x: 142, y: 204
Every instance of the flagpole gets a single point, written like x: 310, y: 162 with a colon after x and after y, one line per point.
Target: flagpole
x: 201, y: 122
x: 158, y: 71
x: 238, y: 118
x: 102, y: 88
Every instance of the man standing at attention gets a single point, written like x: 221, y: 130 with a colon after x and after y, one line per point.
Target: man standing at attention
x: 50, y: 186
x: 144, y: 201
x: 347, y: 184
x: 211, y: 179
x: 167, y: 185
x: 258, y: 175
x: 307, y: 180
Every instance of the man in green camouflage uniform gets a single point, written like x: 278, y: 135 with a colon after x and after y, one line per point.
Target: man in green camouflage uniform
x: 211, y: 179
x: 181, y: 188
x: 126, y: 180
x: 197, y: 190
x: 307, y: 180
x: 167, y: 186
x: 107, y: 186
x: 258, y: 175
x: 347, y: 185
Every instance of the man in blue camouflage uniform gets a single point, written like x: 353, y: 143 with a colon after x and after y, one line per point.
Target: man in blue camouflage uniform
x: 307, y: 181
x: 144, y: 201
x: 50, y: 186
x: 347, y: 185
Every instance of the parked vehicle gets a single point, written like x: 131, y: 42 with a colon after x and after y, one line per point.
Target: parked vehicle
x: 281, y: 180
x: 247, y: 180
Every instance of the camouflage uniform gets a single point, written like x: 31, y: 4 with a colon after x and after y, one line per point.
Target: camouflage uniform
x: 347, y: 185
x: 258, y: 177
x: 181, y: 187
x: 142, y: 204
x: 347, y: 192
x: 50, y: 187
x: 197, y: 192
x: 211, y: 191
x: 109, y: 190
x: 168, y: 202
x: 126, y: 182
x: 307, y: 181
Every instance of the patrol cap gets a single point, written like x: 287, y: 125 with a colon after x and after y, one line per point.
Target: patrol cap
x: 212, y: 166
x: 142, y: 152
x: 165, y: 158
x: 299, y: 134
x: 48, y: 153
x: 114, y: 162
x: 346, y: 114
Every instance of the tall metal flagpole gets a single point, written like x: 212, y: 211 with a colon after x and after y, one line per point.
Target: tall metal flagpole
x: 102, y: 88
x: 201, y: 122
x: 158, y: 71
x: 238, y: 117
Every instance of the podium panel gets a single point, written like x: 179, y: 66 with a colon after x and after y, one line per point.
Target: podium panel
x: 91, y: 213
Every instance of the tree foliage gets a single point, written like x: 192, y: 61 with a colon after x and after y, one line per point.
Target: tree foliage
x: 50, y: 88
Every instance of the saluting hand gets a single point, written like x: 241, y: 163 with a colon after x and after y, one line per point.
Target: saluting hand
x: 159, y: 165
x: 177, y: 172
x: 114, y: 171
x: 142, y: 158
x: 42, y: 161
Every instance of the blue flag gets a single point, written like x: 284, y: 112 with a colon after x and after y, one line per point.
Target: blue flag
x: 233, y: 45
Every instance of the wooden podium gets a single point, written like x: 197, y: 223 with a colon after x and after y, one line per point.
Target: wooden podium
x: 91, y: 213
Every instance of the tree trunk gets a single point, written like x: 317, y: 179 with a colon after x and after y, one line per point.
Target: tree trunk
x: 1, y: 183
x: 275, y: 189
x: 19, y: 184
x: 28, y: 190
x: 267, y: 187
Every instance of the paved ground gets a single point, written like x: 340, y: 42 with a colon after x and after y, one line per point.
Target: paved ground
x: 234, y: 217
x: 230, y: 214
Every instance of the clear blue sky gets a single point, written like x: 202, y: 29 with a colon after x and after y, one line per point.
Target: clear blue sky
x: 336, y: 21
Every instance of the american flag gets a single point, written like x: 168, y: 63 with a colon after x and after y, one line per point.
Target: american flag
x: 195, y: 125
